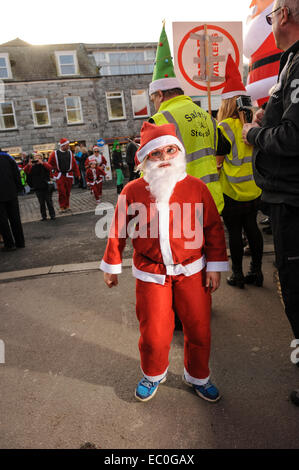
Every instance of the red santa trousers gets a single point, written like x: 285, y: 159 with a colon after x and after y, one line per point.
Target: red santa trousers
x: 64, y: 186
x: 97, y: 190
x: 154, y: 309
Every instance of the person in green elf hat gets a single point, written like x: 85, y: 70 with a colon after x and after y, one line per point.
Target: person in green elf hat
x: 195, y: 127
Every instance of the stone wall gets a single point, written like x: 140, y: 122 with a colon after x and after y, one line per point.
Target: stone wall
x: 124, y: 83
x: 26, y: 135
x: 93, y: 100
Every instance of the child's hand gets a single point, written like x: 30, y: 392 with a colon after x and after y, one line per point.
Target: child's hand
x: 213, y: 281
x: 111, y: 279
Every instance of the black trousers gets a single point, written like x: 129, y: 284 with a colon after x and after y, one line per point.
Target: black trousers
x: 119, y: 188
x: 239, y: 216
x: 44, y: 197
x: 285, y: 228
x: 10, y: 224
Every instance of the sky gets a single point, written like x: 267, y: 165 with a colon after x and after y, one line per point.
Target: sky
x: 108, y: 21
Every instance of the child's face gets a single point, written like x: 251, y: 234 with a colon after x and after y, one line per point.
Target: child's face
x: 93, y: 165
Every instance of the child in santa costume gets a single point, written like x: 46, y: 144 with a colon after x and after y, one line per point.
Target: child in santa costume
x: 65, y: 167
x: 101, y: 160
x: 94, y: 179
x: 179, y: 252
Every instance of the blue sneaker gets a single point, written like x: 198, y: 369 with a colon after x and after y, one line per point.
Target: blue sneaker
x: 146, y: 389
x: 208, y: 391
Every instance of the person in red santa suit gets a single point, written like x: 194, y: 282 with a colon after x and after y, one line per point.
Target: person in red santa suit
x: 94, y: 179
x: 65, y: 167
x: 101, y: 160
x: 179, y: 253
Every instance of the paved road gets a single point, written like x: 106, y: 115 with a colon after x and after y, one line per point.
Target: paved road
x: 82, y: 201
x: 72, y: 362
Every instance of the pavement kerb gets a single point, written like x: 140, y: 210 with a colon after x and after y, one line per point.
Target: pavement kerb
x: 75, y: 268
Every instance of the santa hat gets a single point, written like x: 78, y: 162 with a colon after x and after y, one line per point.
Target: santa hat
x: 92, y: 160
x: 233, y: 85
x: 63, y: 142
x: 153, y: 137
x: 163, y: 76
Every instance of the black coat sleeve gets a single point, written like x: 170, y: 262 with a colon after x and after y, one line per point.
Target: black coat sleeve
x: 16, y: 174
x: 224, y: 146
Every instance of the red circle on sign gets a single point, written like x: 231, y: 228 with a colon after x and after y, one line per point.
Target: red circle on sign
x: 182, y: 45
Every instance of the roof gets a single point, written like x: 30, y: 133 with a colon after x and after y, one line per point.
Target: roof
x: 16, y: 42
x: 32, y: 63
x: 121, y: 46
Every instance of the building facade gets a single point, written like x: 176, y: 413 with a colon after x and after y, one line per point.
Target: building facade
x: 79, y: 91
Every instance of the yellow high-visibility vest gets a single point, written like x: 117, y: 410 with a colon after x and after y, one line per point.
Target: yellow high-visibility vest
x: 198, y: 132
x: 236, y: 176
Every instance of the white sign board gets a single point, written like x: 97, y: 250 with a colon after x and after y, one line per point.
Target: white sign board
x: 44, y: 147
x: 105, y: 151
x: 12, y: 150
x: 190, y: 51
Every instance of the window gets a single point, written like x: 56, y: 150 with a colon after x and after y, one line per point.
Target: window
x: 125, y: 62
x: 7, y: 116
x: 140, y: 103
x: 40, y: 112
x: 73, y: 109
x: 115, y: 105
x: 67, y: 62
x: 5, y: 70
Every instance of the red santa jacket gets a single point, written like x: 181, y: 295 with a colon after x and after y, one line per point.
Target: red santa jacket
x: 93, y: 177
x: 180, y: 237
x: 72, y: 167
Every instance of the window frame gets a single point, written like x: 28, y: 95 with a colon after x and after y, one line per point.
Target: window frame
x: 7, y: 129
x: 73, y: 53
x: 147, y: 103
x: 121, y: 93
x: 66, y: 111
x: 37, y: 112
x: 5, y: 56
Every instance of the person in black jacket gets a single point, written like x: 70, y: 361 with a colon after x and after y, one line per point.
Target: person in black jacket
x: 10, y: 221
x: 39, y: 177
x: 275, y: 135
x: 130, y: 158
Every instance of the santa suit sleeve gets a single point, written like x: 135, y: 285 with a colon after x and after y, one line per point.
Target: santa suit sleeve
x: 53, y: 164
x: 112, y: 259
x: 101, y: 172
x: 28, y: 168
x: 214, y: 239
x: 89, y: 176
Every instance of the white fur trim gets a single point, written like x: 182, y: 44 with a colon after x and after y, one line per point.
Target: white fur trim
x: 111, y: 268
x: 157, y: 143
x: 256, y: 32
x: 162, y: 84
x: 64, y: 143
x: 260, y: 89
x: 231, y: 94
x: 155, y: 378
x: 194, y: 381
x: 217, y: 266
x: 148, y: 277
x: 187, y: 270
x: 163, y: 209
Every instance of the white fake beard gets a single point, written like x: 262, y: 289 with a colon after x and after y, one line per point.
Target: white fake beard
x: 161, y: 181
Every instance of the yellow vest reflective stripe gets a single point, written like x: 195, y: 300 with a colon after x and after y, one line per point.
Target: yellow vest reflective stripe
x: 200, y: 150
x: 236, y: 176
